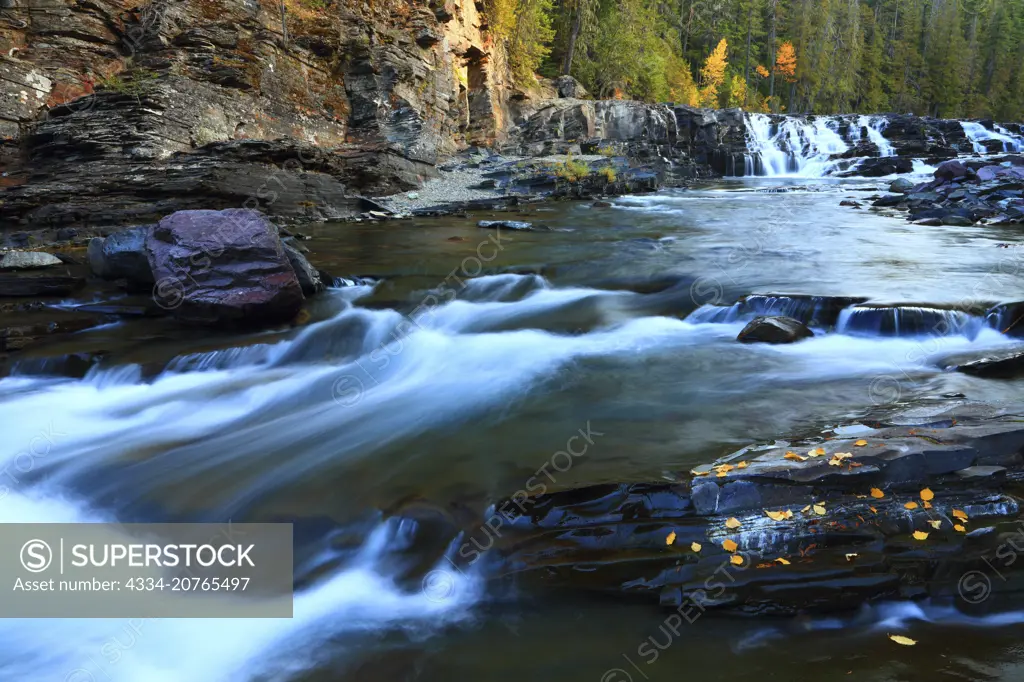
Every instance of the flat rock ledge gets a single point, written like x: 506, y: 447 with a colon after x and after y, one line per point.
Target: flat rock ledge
x: 825, y: 524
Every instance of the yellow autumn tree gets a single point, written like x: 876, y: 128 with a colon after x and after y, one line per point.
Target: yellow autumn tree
x: 737, y: 94
x: 785, y: 62
x: 712, y: 74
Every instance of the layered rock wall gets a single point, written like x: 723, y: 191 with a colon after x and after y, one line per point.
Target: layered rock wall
x: 114, y: 111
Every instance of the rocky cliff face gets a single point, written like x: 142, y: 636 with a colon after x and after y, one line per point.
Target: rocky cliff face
x: 118, y: 111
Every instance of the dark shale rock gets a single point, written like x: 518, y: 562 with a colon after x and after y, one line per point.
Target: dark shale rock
x: 859, y: 548
x: 309, y: 277
x: 1007, y: 364
x: 122, y: 255
x: 774, y: 330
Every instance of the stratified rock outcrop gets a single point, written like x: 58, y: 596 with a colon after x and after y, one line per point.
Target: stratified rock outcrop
x: 116, y: 112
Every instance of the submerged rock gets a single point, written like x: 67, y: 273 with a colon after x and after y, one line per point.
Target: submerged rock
x: 222, y: 268
x: 27, y: 260
x: 518, y: 225
x: 39, y: 285
x: 775, y: 329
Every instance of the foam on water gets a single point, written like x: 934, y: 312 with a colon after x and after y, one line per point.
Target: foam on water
x: 360, y: 597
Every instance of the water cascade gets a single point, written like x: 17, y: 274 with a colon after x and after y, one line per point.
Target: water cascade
x: 979, y: 135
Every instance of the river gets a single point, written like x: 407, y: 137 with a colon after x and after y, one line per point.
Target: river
x: 418, y: 397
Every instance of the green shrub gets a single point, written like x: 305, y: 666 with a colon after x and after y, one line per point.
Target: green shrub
x: 572, y: 171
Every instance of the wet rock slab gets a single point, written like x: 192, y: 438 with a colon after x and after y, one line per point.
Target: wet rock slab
x: 824, y: 524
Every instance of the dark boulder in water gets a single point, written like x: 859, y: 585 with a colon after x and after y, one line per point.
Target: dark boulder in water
x: 122, y: 255
x: 952, y: 170
x: 223, y: 268
x: 774, y: 330
x: 880, y: 167
x: 1007, y: 364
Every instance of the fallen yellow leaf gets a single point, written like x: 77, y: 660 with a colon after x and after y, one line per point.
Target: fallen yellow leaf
x: 962, y: 515
x: 729, y: 545
x: 804, y: 510
x: 721, y: 474
x: 819, y: 510
x: 741, y: 465
x: 818, y: 452
x: 861, y: 443
x: 695, y: 546
x: 927, y: 505
x: 782, y: 561
x: 837, y: 459
x: 671, y: 538
x: 850, y: 557
x: 775, y: 515
x: 935, y: 524
x: 927, y: 495
x: 911, y: 505
x: 877, y: 494
x: 873, y: 510
x: 733, y: 523
x: 724, y: 467
x: 960, y: 529
x: 905, y: 641
x: 795, y: 457
x: 736, y: 560
x: 699, y: 473
x: 920, y: 535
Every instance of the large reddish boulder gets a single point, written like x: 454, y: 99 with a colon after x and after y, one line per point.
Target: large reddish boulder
x: 224, y: 268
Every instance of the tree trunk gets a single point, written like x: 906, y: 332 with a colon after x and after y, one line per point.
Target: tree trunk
x: 574, y: 34
x: 689, y: 26
x: 771, y: 52
x: 746, y: 61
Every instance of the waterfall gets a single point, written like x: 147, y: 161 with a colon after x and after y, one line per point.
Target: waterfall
x: 979, y: 134
x: 907, y: 320
x: 795, y: 146
x: 874, y: 125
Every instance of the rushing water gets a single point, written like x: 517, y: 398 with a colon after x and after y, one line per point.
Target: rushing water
x: 978, y: 134
x: 449, y: 382
x: 797, y: 147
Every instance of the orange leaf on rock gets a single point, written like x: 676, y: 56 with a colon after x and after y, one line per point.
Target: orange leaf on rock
x: 927, y: 495
x: 671, y: 538
x: 959, y: 529
x: 695, y: 546
x: 877, y: 494
x: 782, y: 561
x: 920, y: 535
x: 935, y: 524
x: 729, y: 545
x: 736, y: 560
x: 960, y: 514
x: 911, y: 505
x: 741, y: 465
x: 733, y: 523
x: 861, y: 443
x: 795, y: 457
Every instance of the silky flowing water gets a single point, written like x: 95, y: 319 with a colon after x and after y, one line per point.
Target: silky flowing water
x: 449, y: 379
